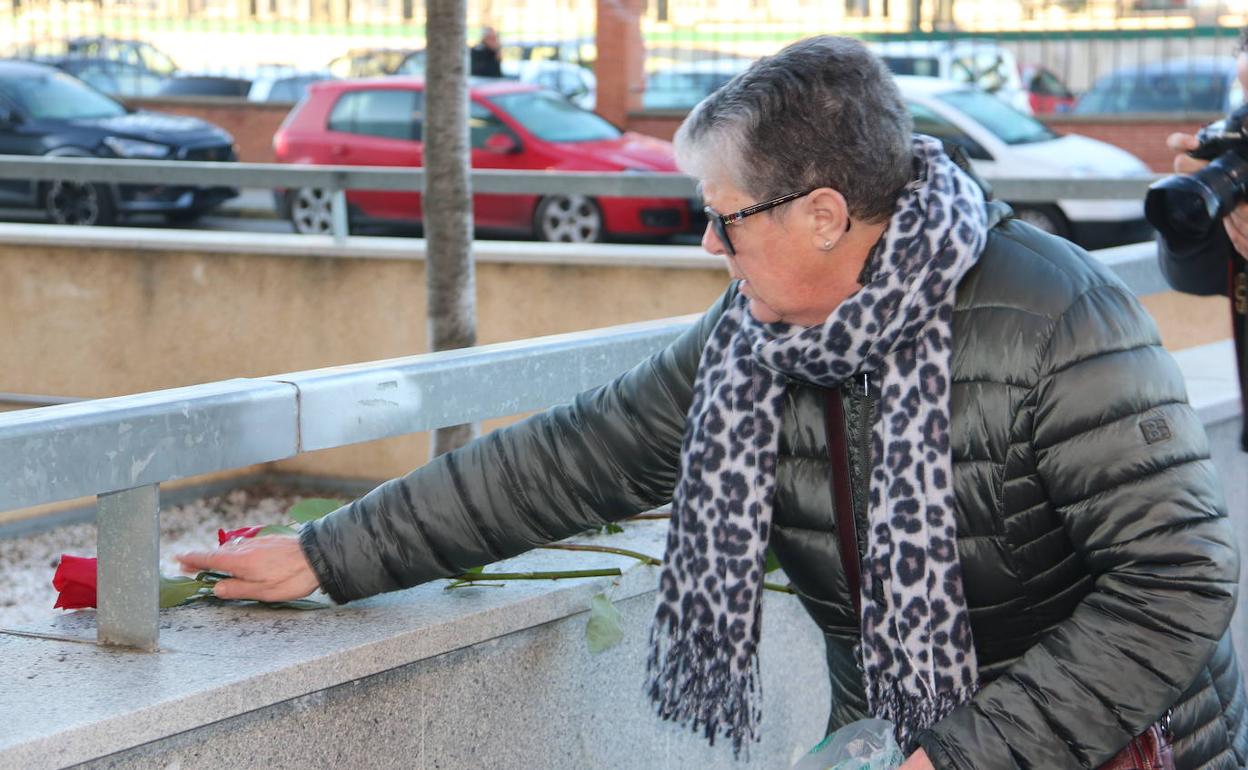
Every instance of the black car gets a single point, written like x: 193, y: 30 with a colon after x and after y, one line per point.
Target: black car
x: 114, y: 78
x: 46, y: 112
x: 205, y: 85
x: 136, y: 53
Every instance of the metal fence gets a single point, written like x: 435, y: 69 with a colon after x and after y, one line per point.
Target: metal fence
x: 338, y: 179
x: 122, y: 449
x: 692, y: 45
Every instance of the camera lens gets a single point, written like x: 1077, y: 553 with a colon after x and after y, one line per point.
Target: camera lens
x: 1187, y: 207
x: 1179, y: 207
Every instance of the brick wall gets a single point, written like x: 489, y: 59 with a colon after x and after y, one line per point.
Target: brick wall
x: 1142, y: 136
x: 252, y: 124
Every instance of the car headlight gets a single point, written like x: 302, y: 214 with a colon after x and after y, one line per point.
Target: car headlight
x: 133, y: 148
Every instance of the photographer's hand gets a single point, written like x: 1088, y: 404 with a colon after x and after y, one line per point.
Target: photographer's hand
x: 1236, y: 224
x: 1183, y: 144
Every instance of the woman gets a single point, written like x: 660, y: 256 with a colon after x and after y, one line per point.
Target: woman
x: 1043, y: 575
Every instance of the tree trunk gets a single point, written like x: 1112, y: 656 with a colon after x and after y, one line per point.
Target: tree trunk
x: 450, y: 275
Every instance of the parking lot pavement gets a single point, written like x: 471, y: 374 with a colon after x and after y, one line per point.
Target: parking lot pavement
x: 249, y: 203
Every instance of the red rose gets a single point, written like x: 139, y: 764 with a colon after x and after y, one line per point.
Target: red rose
x: 224, y: 537
x: 75, y: 580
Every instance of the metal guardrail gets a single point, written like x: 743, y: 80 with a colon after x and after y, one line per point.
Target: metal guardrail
x: 122, y: 449
x: 339, y: 179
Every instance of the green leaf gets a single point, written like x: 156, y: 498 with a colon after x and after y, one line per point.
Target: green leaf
x: 612, y: 528
x: 180, y: 590
x: 603, y: 631
x: 277, y: 529
x: 313, y: 508
x: 474, y: 570
x: 773, y: 563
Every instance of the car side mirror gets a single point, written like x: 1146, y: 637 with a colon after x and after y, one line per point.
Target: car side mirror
x: 9, y: 118
x: 501, y: 143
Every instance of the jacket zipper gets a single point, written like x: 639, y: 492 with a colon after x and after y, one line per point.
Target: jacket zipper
x: 865, y: 414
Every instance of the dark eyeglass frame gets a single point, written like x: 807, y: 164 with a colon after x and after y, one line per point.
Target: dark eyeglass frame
x: 720, y: 222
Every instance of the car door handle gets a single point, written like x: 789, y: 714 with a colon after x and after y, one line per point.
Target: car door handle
x: 338, y: 150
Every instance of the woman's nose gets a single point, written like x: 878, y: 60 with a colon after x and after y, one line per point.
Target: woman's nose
x: 711, y: 242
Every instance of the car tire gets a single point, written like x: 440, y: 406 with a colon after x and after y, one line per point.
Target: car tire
x: 568, y: 219
x: 1047, y: 218
x: 311, y: 210
x: 78, y: 203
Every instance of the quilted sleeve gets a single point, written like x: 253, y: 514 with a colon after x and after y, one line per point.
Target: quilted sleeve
x: 611, y: 453
x: 1125, y: 462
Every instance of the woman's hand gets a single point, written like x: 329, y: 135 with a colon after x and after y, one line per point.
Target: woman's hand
x: 917, y: 761
x: 270, y: 568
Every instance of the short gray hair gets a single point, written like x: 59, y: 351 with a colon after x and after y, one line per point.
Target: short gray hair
x: 823, y: 112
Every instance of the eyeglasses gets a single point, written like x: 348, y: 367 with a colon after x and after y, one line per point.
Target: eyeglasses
x: 719, y: 222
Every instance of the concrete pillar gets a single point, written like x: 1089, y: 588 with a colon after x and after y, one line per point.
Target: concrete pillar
x: 620, y: 68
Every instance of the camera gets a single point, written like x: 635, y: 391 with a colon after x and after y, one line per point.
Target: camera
x: 1185, y: 208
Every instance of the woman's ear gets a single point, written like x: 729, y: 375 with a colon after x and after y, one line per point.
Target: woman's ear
x: 829, y: 217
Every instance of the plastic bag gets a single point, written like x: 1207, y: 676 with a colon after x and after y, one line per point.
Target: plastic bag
x: 867, y: 744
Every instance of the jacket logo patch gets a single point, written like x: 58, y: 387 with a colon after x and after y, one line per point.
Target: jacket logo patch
x: 1155, y: 430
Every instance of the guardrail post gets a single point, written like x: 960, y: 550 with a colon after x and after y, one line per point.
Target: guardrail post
x: 338, y: 216
x: 128, y: 571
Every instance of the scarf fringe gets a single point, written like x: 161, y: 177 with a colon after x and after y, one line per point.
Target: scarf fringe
x: 911, y: 712
x: 690, y: 677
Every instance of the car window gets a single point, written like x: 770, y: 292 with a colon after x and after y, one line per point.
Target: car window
x: 1193, y: 91
x: 986, y: 69
x: 1006, y: 123
x: 928, y: 122
x: 413, y: 64
x: 58, y: 97
x: 290, y: 89
x: 923, y: 66
x: 482, y: 124
x: 156, y: 60
x: 1046, y: 83
x: 550, y: 117
x: 390, y: 113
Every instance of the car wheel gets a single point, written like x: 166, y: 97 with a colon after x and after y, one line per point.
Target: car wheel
x: 79, y: 203
x: 311, y: 210
x: 1047, y: 218
x: 568, y: 219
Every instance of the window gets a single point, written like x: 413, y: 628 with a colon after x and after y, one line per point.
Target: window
x: 923, y: 66
x: 59, y: 97
x: 391, y: 113
x: 552, y: 118
x: 1046, y: 83
x: 1006, y: 123
x: 928, y: 122
x: 482, y: 124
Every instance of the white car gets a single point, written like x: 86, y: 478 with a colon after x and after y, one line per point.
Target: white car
x: 1002, y: 142
x: 576, y: 83
x: 973, y: 61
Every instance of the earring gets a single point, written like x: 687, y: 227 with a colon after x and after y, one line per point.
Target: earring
x: 827, y: 245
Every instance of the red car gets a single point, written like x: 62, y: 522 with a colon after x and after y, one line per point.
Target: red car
x: 1045, y: 91
x: 513, y: 126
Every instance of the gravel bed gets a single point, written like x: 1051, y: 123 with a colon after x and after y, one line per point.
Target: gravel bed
x: 28, y: 562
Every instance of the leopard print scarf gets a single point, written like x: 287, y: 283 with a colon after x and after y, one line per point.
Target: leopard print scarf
x: 917, y: 654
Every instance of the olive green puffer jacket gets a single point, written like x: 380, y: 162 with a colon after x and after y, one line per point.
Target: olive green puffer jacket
x: 1099, y: 566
